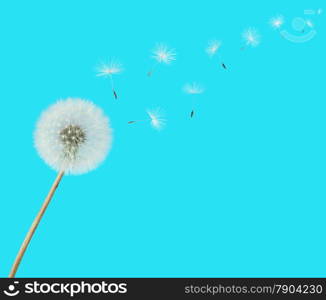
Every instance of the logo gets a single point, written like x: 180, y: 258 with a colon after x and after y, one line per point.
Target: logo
x: 304, y: 29
x: 12, y: 290
x: 64, y: 288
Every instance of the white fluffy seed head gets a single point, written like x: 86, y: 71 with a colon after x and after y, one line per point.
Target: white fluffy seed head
x: 251, y: 37
x: 213, y: 47
x: 277, y: 22
x: 163, y: 54
x: 309, y: 23
x: 156, y: 118
x: 73, y: 136
x: 193, y: 88
x: 110, y: 68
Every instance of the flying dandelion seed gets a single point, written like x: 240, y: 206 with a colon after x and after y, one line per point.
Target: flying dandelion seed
x: 156, y: 118
x: 72, y: 136
x: 162, y: 54
x: 212, y: 49
x: 251, y: 38
x: 309, y: 23
x: 108, y: 70
x: 193, y: 89
x: 277, y: 22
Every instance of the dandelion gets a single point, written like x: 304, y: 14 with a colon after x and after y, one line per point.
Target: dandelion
x: 108, y: 70
x: 193, y: 89
x: 212, y: 49
x: 277, y: 22
x: 73, y: 137
x: 251, y: 38
x: 155, y: 117
x: 162, y: 54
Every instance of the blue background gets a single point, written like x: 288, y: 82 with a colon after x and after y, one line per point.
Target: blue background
x: 237, y: 191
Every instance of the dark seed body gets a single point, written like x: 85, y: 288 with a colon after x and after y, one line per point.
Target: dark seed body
x: 72, y: 137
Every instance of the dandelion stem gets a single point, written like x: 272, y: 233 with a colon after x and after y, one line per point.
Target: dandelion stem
x: 111, y: 81
x: 193, y: 107
x: 112, y: 87
x: 151, y: 70
x: 34, y: 225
